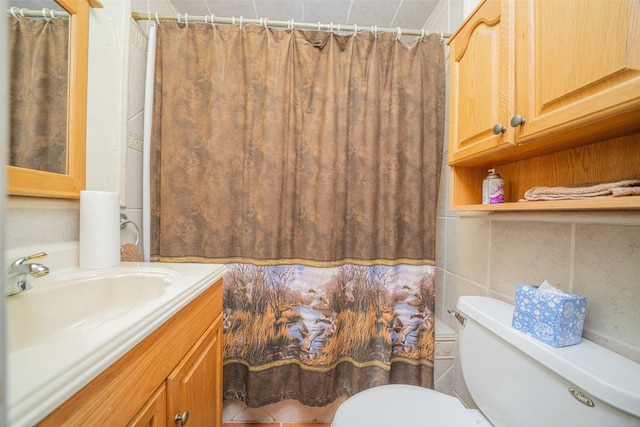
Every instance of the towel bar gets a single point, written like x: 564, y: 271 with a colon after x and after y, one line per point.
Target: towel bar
x: 124, y: 221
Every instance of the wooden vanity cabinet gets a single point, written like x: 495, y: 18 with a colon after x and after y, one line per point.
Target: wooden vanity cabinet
x: 571, y: 70
x: 196, y: 384
x: 154, y: 412
x: 175, y: 369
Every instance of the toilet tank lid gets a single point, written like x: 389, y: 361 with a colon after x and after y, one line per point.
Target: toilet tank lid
x: 594, y: 369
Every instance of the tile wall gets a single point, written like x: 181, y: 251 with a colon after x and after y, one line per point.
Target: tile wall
x: 135, y: 128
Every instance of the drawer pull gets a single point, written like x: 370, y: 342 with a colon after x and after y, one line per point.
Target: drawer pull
x: 183, y: 419
x: 517, y: 120
x: 498, y: 129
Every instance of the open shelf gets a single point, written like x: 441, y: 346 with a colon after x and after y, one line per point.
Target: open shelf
x: 608, y: 203
x: 607, y: 161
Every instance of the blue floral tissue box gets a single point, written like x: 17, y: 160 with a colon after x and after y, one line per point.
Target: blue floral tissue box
x: 551, y: 316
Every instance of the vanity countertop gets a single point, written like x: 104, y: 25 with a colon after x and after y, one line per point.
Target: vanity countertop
x: 43, y: 376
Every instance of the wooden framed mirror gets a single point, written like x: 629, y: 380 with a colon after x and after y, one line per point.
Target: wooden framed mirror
x: 70, y: 180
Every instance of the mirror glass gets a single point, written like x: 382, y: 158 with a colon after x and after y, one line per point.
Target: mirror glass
x: 47, y: 57
x: 39, y: 74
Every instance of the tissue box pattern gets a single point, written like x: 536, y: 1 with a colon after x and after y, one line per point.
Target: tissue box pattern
x: 552, y: 318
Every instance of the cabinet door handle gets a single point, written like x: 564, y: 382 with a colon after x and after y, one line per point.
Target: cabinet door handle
x: 517, y: 120
x: 183, y: 419
x: 498, y: 129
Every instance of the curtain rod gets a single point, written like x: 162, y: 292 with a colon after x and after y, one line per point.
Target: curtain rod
x: 45, y: 13
x: 290, y: 24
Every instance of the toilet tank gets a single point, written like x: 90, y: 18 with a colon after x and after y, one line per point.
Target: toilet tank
x: 518, y: 381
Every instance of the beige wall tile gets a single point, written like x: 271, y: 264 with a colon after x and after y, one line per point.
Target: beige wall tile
x: 440, y: 287
x: 443, y: 374
x: 467, y: 247
x: 529, y: 253
x: 441, y: 241
x: 443, y: 191
x: 455, y: 288
x: 607, y: 272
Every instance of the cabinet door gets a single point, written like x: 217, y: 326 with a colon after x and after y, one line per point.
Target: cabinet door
x: 154, y: 412
x: 481, y: 82
x: 578, y: 68
x: 196, y: 384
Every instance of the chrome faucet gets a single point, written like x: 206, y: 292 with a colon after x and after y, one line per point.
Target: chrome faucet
x: 18, y: 272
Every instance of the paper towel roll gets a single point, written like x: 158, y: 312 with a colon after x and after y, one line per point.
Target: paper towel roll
x: 99, y: 229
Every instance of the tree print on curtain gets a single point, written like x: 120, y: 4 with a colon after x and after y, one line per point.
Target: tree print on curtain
x: 309, y: 318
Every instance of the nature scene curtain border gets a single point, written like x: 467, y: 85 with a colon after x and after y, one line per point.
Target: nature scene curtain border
x: 337, y: 330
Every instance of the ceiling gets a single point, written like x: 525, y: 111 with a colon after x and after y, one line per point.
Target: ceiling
x: 34, y: 5
x: 383, y: 13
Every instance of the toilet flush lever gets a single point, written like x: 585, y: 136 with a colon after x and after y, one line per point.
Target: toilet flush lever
x: 459, y: 317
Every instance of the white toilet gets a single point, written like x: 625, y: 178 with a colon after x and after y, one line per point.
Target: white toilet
x: 514, y: 379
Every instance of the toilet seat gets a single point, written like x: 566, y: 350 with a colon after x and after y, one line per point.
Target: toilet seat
x: 400, y: 405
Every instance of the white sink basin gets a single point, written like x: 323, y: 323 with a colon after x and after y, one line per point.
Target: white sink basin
x: 75, y: 303
x: 74, y: 324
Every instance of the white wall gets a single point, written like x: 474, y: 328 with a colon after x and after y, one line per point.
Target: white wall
x: 107, y: 89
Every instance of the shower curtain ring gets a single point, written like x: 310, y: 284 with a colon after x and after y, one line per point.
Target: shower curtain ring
x: 157, y: 19
x: 319, y: 29
x: 241, y: 22
x: 266, y: 27
x: 13, y: 12
x: 213, y: 17
x: 186, y: 19
x: 355, y: 29
x: 399, y: 34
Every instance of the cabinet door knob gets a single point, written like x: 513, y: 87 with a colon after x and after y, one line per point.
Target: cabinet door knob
x: 498, y: 129
x: 517, y: 120
x: 183, y: 419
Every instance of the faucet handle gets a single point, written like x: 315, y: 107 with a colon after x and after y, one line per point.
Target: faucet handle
x: 28, y: 258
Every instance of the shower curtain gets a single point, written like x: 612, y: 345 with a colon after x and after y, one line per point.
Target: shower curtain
x: 309, y: 163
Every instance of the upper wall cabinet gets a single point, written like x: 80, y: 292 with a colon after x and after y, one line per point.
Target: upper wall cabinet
x: 481, y: 86
x: 547, y: 92
x: 577, y: 67
x: 533, y: 77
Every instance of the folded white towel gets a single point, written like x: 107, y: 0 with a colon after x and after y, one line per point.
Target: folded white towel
x: 610, y: 189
